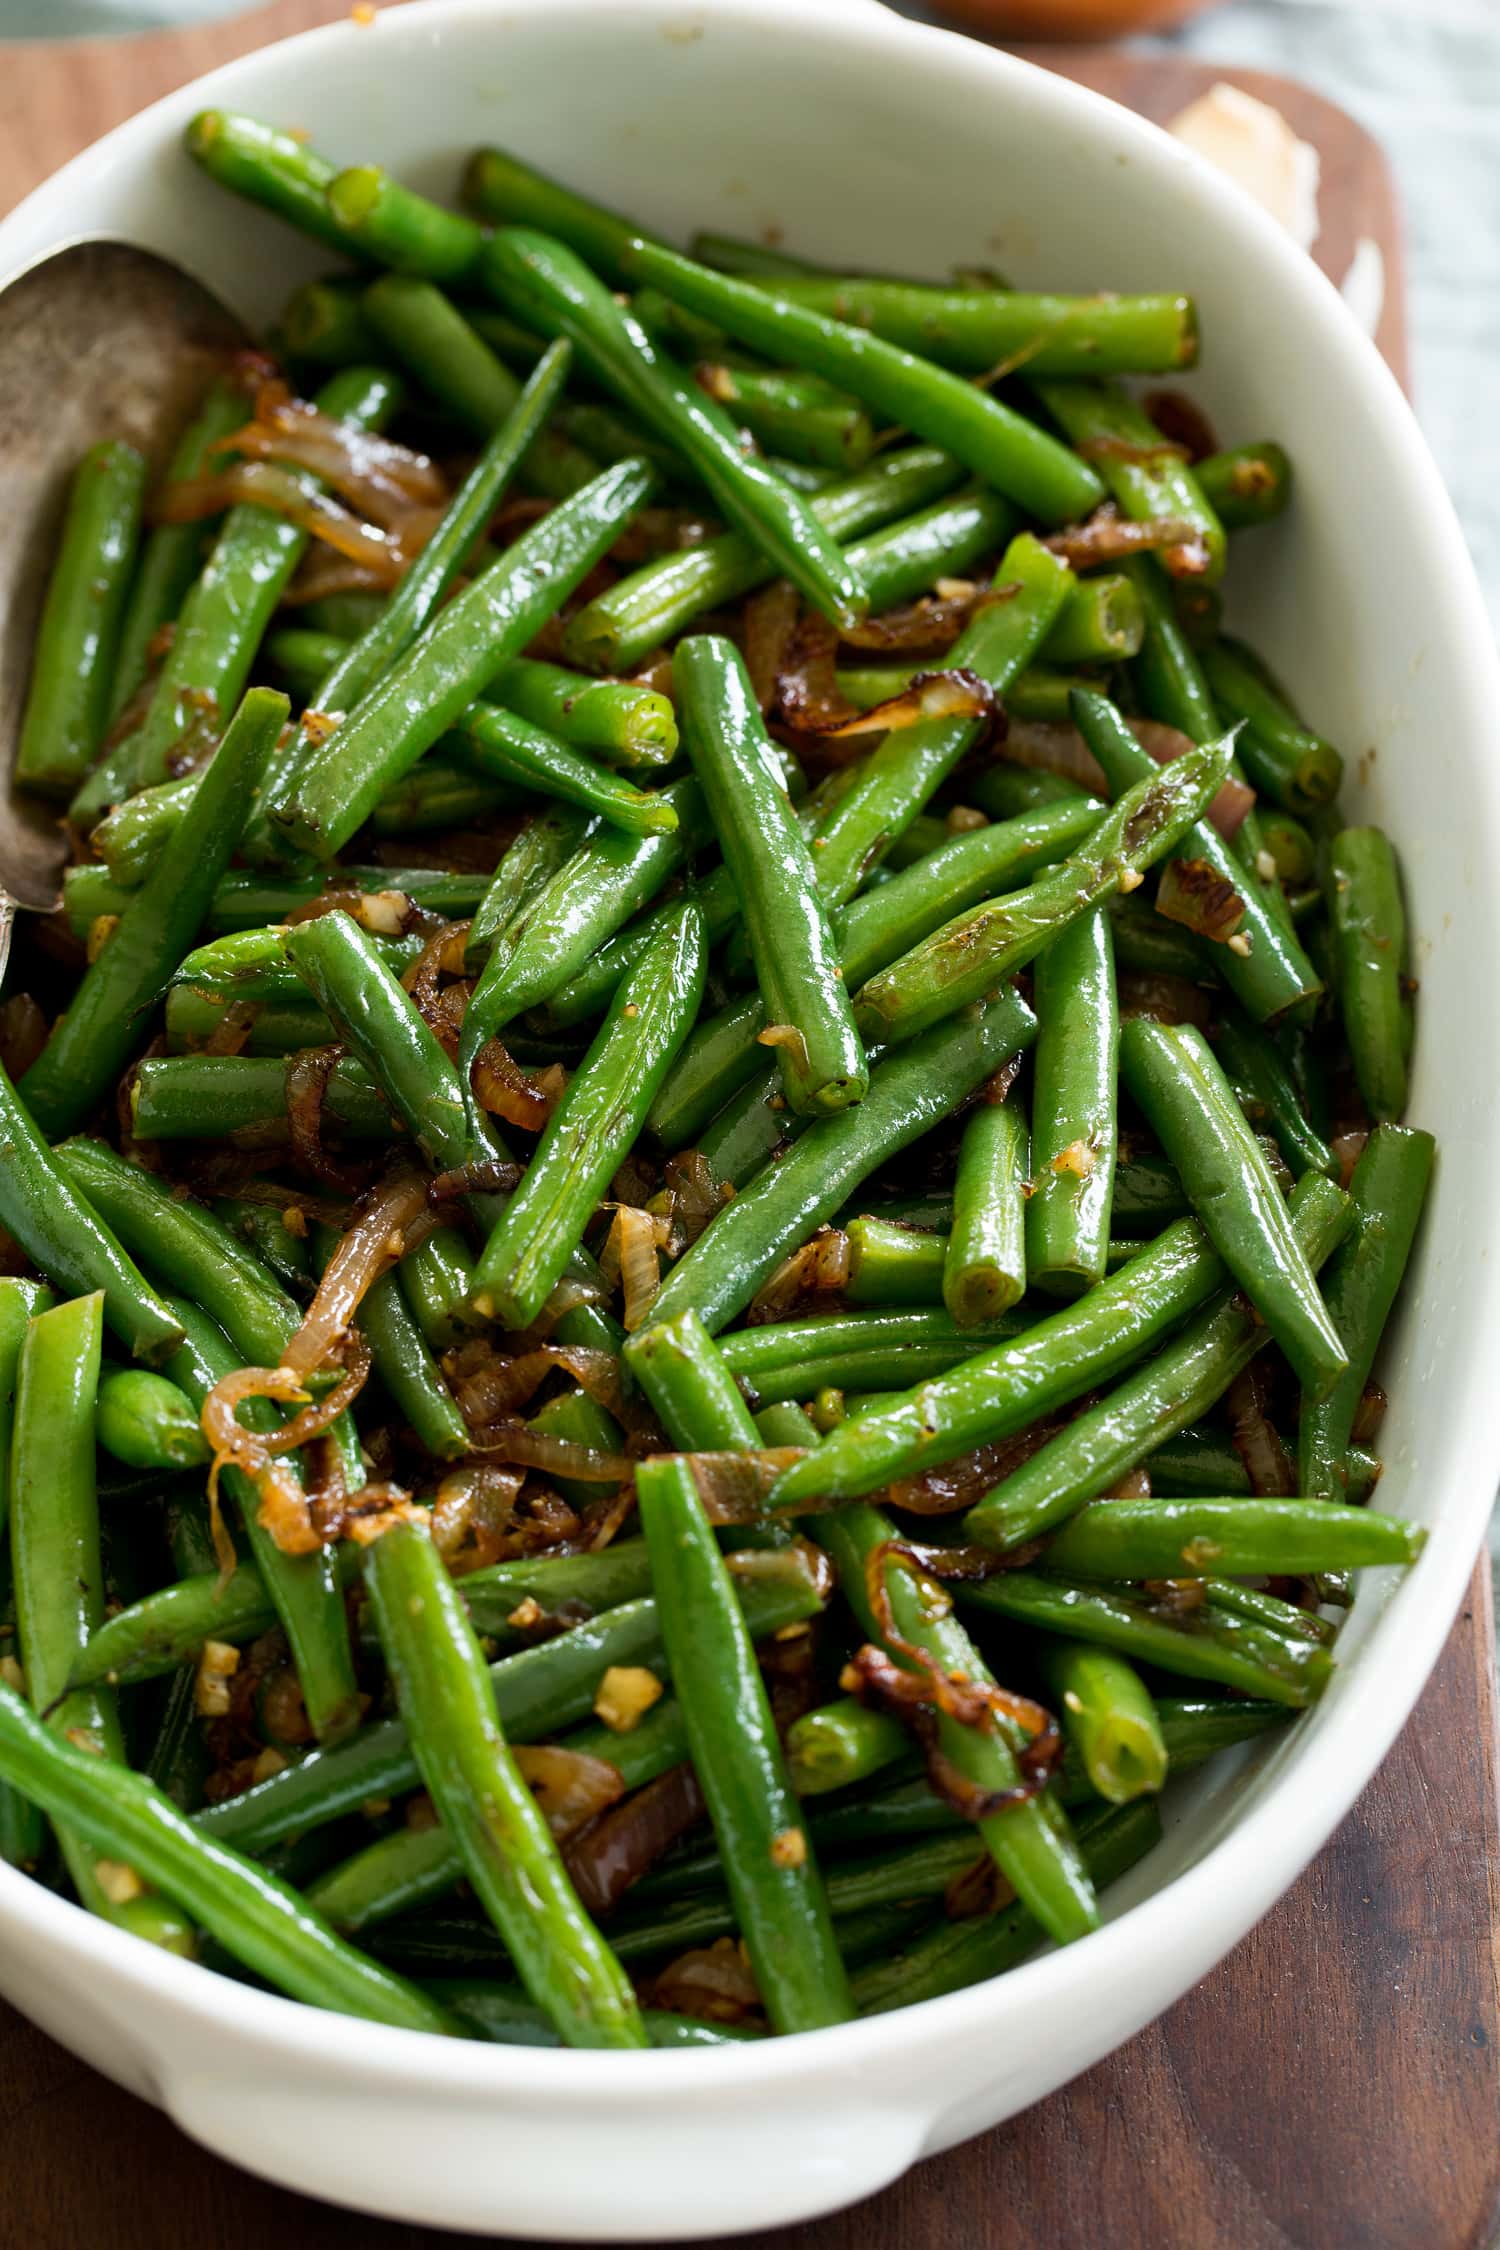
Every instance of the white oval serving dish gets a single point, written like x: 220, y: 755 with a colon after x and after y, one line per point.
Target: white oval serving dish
x: 872, y: 140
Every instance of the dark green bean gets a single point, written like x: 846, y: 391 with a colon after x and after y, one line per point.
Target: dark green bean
x: 1073, y: 1120
x: 624, y: 625
x: 779, y: 1901
x: 1387, y: 1191
x: 258, y: 1918
x: 172, y: 553
x: 837, y: 1744
x: 245, y: 898
x: 1106, y: 1441
x: 59, y: 1584
x: 995, y: 442
x: 90, y: 1046
x: 908, y: 1093
x: 406, y: 710
x: 1284, y: 761
x: 1246, y: 484
x: 63, y: 1234
x: 1207, y: 1643
x: 1107, y: 1717
x: 974, y: 951
x: 875, y: 1350
x: 984, y: 1260
x: 1266, y: 1092
x: 502, y: 2013
x: 1147, y: 475
x: 1171, y: 1074
x: 77, y: 639
x: 1199, y: 1538
x: 1370, y: 942
x: 592, y: 1129
x: 224, y: 618
x: 484, y: 1803
x: 538, y: 1693
x: 144, y: 1420
x: 799, y: 416
x: 1270, y: 975
x: 890, y: 1264
x: 277, y: 170
x: 206, y: 1097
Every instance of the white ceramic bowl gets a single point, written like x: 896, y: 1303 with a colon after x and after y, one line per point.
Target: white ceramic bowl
x: 876, y: 142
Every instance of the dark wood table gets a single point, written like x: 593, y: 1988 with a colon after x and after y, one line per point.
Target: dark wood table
x: 1333, y: 2085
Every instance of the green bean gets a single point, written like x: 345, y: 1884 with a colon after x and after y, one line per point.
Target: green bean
x: 1148, y: 1193
x: 131, y: 836
x: 1073, y: 1120
x: 574, y: 1584
x: 950, y: 1955
x: 59, y: 1581
x: 304, y: 1589
x: 1293, y: 850
x: 593, y: 1126
x: 626, y: 624
x: 908, y: 1093
x: 540, y: 278
x: 246, y: 898
x: 435, y: 343
x: 90, y: 1046
x: 1002, y: 790
x: 984, y: 1261
x: 561, y: 924
x: 823, y: 1068
x: 386, y: 1031
x: 1270, y: 976
x: 406, y: 710
x: 1102, y: 620
x: 799, y: 416
x: 1387, y: 1191
x: 254, y: 965
x: 166, y: 1629
x: 656, y: 1743
x: 1171, y: 1074
x: 538, y: 1693
x: 21, y: 1831
x: 779, y: 1901
x: 258, y: 1918
x: 544, y: 845
x: 1297, y: 769
x: 437, y: 1281
x: 1266, y: 1092
x: 996, y: 1392
x: 387, y: 222
x: 172, y: 553
x: 1146, y: 475
x: 1199, y: 1538
x: 323, y: 324
x: 976, y: 950
x: 144, y: 1420
x: 1030, y: 1840
x: 1107, y: 1717
x: 875, y: 1350
x: 871, y: 931
x: 974, y: 330
x: 277, y: 170
x: 898, y: 778
x: 890, y: 1264
x: 501, y: 2013
x: 67, y: 1238
x: 500, y: 187
x: 484, y: 1803
x: 1106, y: 1441
x: 690, y: 1385
x: 1246, y: 484
x: 77, y: 640
x: 411, y: 1376
x: 1370, y: 942
x: 360, y: 666
x: 224, y: 618
x: 206, y: 1097
x: 619, y: 720
x: 997, y: 444
x: 1149, y: 944
x: 1208, y: 1643
x: 498, y: 743
x: 838, y: 1744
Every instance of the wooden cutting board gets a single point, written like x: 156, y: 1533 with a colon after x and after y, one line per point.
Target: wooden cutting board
x: 1334, y: 2085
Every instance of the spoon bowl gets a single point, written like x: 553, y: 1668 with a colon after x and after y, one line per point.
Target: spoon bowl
x: 100, y: 339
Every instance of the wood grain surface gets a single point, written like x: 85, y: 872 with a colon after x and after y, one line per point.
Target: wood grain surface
x: 1334, y: 2085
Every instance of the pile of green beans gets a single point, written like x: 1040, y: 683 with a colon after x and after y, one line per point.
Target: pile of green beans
x: 654, y: 1277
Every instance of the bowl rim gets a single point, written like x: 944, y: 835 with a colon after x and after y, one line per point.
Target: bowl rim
x: 1261, y: 1852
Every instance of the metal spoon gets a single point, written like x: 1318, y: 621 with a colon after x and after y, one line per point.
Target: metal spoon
x: 99, y: 340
